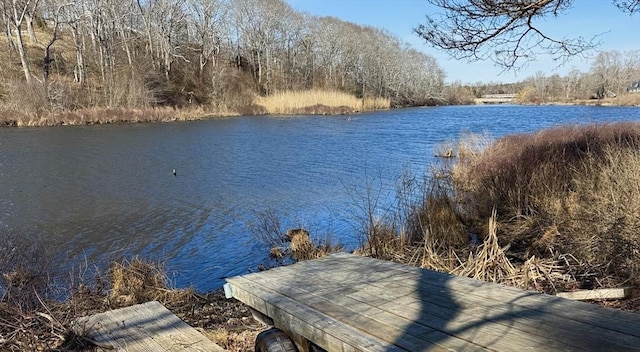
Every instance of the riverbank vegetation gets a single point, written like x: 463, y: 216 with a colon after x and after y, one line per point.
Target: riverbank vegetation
x: 77, y: 62
x: 555, y: 210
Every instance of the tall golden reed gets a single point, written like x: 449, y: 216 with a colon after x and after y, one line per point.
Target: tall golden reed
x: 295, y: 102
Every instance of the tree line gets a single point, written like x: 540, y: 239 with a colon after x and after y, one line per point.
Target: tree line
x: 610, y: 75
x: 138, y: 53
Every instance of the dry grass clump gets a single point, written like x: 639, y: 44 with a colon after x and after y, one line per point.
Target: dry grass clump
x: 490, y: 262
x: 569, y: 190
x: 292, y: 245
x: 318, y: 102
x: 138, y: 281
x: 631, y: 99
x: 301, y: 247
x: 375, y: 103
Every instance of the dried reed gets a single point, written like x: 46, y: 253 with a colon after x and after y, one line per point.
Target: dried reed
x: 318, y: 102
x: 489, y: 263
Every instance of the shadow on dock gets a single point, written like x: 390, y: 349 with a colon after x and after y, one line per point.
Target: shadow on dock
x: 459, y: 313
x: 346, y: 302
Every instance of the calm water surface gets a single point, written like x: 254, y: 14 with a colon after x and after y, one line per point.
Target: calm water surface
x: 93, y: 193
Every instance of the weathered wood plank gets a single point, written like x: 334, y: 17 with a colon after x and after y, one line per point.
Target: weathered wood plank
x: 529, y: 321
x: 364, y: 305
x: 417, y: 309
x: 372, y: 320
x: 495, y: 294
x: 598, y: 294
x: 314, y: 325
x: 144, y: 327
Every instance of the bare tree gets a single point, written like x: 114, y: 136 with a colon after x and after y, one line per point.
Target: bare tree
x: 5, y: 8
x: 73, y: 17
x: 19, y: 9
x: 47, y: 60
x: 208, y: 20
x: 629, y: 6
x: 506, y: 31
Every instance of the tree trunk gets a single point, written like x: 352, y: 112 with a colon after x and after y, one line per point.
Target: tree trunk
x: 17, y: 22
x: 79, y: 70
x: 46, y: 61
x: 23, y: 55
x: 10, y: 43
x: 32, y: 34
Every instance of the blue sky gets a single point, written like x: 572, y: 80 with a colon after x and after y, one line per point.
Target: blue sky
x: 587, y: 18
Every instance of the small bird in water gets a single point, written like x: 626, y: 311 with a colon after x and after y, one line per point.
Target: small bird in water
x: 175, y: 173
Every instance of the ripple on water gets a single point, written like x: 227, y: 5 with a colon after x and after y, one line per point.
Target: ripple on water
x: 91, y: 193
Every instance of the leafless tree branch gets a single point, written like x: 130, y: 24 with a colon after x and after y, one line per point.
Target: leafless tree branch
x: 505, y: 31
x: 629, y: 6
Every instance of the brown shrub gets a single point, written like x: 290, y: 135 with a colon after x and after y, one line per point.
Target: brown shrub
x: 565, y: 190
x: 437, y: 219
x: 516, y: 172
x: 23, y: 264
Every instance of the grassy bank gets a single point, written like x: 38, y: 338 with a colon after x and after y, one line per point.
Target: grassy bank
x: 286, y: 103
x: 529, y: 97
x: 99, y: 116
x: 556, y: 210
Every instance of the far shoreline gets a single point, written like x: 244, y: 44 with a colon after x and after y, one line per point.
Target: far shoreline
x: 106, y: 116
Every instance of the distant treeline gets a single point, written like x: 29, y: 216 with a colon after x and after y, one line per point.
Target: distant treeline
x: 220, y: 54
x: 612, y: 75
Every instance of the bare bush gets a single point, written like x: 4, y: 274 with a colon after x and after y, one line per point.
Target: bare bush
x: 29, y: 98
x: 568, y: 190
x: 24, y: 265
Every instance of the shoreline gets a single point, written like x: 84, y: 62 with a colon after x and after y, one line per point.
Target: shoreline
x: 106, y: 116
x: 226, y: 322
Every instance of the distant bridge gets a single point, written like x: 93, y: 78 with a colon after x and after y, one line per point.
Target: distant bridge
x: 496, y: 99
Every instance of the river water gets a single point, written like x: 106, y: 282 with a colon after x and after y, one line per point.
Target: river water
x: 90, y: 194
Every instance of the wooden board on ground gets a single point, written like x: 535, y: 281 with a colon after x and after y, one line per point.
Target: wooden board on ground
x: 598, y: 294
x: 350, y: 303
x: 143, y: 327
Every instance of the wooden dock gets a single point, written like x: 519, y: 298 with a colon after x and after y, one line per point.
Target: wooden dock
x: 350, y: 303
x: 143, y: 327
